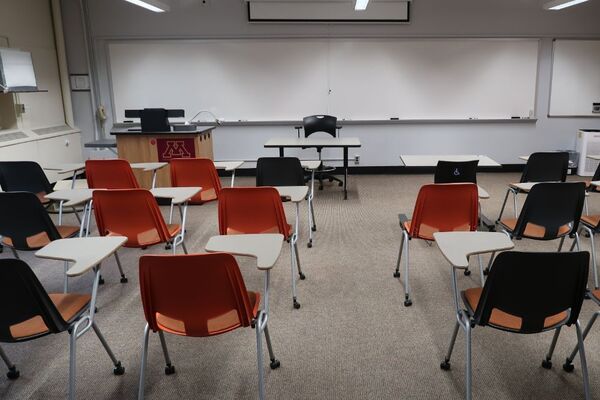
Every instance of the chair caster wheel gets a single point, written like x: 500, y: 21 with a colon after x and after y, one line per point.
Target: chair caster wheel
x: 101, y: 281
x: 547, y: 364
x: 296, y: 304
x: 119, y: 369
x: 275, y: 364
x: 169, y: 369
x: 340, y: 184
x: 467, y: 272
x: 587, y: 295
x: 407, y: 303
x: 302, y: 276
x: 568, y: 367
x: 168, y: 247
x: 309, y: 245
x: 486, y: 272
x: 397, y: 274
x: 314, y: 228
x: 445, y: 365
x: 124, y: 279
x: 13, y: 373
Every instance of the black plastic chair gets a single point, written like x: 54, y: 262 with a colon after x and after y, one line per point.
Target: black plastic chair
x: 456, y: 172
x: 541, y: 167
x: 551, y: 211
x: 327, y: 124
x: 27, y: 312
x: 24, y: 176
x: 526, y: 293
x: 25, y: 223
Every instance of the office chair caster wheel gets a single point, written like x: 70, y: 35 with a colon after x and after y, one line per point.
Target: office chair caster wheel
x: 445, y: 365
x: 407, y: 302
x: 568, y: 367
x: 314, y: 228
x: 101, y: 280
x: 275, y: 364
x: 302, y: 276
x: 168, y: 246
x: 124, y: 279
x: 397, y: 274
x: 169, y: 369
x: 119, y: 369
x: 13, y: 373
x: 467, y: 272
x: 309, y: 245
x: 296, y: 304
x: 547, y: 364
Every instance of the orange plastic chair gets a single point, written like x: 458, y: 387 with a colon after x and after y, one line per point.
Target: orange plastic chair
x: 439, y: 208
x: 198, y: 295
x: 247, y: 210
x: 196, y: 172
x: 110, y: 174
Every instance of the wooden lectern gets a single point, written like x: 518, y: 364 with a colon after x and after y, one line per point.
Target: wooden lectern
x: 136, y: 146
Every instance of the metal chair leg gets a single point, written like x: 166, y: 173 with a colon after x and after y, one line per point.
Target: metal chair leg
x: 15, y: 254
x: 13, y: 373
x: 515, y: 206
x: 503, y: 205
x: 568, y: 365
x: 481, y: 274
x: 397, y: 271
x: 259, y: 361
x: 72, y: 362
x: 407, y: 299
x: 185, y: 250
x: 123, y: 278
x: 274, y: 362
x: 445, y: 365
x: 300, y: 273
x: 560, y: 244
x: 469, y: 370
x: 144, y: 362
x: 547, y: 363
x: 295, y: 302
x: 584, y: 369
x: 119, y: 369
x: 593, y: 248
x: 169, y: 368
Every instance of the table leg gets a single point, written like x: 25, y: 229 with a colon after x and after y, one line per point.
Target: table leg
x: 345, y: 173
x: 232, y: 177
x: 311, y: 221
x: 84, y: 217
x: 60, y: 212
x: 281, y: 152
x: 73, y: 179
x: 154, y: 178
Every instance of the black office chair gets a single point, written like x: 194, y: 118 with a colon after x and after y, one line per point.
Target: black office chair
x: 28, y: 312
x: 327, y: 124
x: 541, y: 167
x: 456, y: 172
x: 25, y: 176
x: 526, y: 293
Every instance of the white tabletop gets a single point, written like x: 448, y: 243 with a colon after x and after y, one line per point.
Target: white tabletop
x: 265, y: 247
x: 85, y: 252
x: 66, y: 167
x: 313, y: 142
x: 311, y: 164
x: 228, y: 165
x: 71, y: 197
x: 68, y: 184
x: 524, y: 186
x: 295, y: 194
x: 524, y: 158
x: 457, y: 246
x: 428, y: 160
x: 482, y: 193
x: 149, y: 166
x: 178, y: 195
x: 593, y: 156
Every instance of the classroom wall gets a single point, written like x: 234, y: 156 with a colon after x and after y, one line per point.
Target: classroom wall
x: 112, y: 19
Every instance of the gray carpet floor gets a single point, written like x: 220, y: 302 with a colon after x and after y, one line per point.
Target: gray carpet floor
x: 352, y: 338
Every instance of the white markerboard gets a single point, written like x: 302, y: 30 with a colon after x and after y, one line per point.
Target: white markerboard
x: 575, y: 77
x: 285, y: 79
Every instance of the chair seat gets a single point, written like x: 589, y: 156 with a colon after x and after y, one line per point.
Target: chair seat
x: 532, y: 230
x: 149, y: 237
x: 225, y: 322
x: 426, y: 232
x: 596, y: 295
x: 41, y: 239
x: 590, y: 220
x: 503, y: 320
x: 68, y: 305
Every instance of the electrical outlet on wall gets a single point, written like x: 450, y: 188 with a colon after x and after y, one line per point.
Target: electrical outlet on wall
x: 356, y: 159
x: 20, y: 109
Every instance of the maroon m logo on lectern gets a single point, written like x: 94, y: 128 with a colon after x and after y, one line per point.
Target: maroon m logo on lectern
x: 175, y: 148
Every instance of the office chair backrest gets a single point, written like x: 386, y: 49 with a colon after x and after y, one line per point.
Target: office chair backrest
x: 22, y: 216
x: 194, y: 295
x: 133, y: 213
x: 22, y: 297
x: 456, y: 171
x: 23, y: 176
x: 552, y: 206
x: 110, y: 174
x: 445, y: 208
x: 320, y: 123
x: 534, y: 287
x: 196, y: 172
x: 546, y: 167
x: 251, y: 210
x: 279, y: 171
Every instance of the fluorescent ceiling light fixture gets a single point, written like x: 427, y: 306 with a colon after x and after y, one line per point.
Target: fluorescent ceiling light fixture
x: 361, y: 5
x: 560, y: 4
x: 152, y: 5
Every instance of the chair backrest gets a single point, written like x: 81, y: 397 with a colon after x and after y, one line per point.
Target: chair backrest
x: 251, y: 210
x: 445, y: 208
x: 279, y: 171
x: 23, y: 176
x: 23, y: 297
x: 23, y: 216
x: 194, y: 295
x: 133, y: 213
x: 456, y: 171
x: 534, y: 286
x: 196, y: 172
x: 546, y: 167
x: 110, y: 174
x: 552, y: 206
x: 319, y: 123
